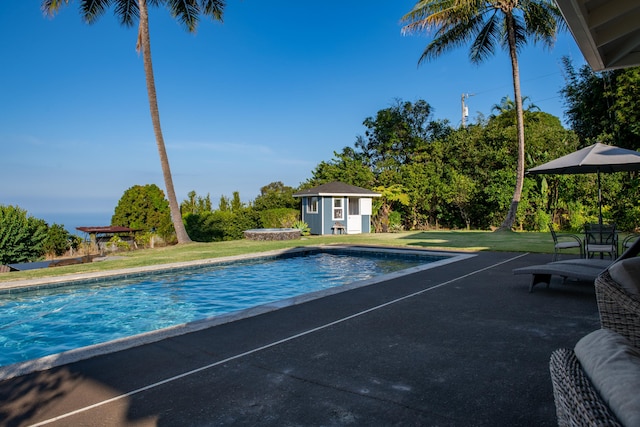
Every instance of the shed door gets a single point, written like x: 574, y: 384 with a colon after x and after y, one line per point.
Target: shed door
x: 354, y: 220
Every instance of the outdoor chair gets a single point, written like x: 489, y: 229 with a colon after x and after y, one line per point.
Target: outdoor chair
x: 577, y: 401
x: 596, y: 383
x: 619, y: 304
x: 628, y: 241
x: 600, y: 238
x: 564, y: 241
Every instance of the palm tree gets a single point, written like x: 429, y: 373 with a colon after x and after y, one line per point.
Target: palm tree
x: 128, y: 11
x: 507, y: 105
x: 487, y: 24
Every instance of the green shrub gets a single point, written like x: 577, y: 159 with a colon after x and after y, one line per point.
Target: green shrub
x: 220, y: 225
x: 542, y: 220
x: 143, y: 240
x: 144, y: 208
x: 578, y: 217
x: 279, y: 217
x: 117, y: 243
x: 395, y: 221
x: 22, y: 238
x: 58, y: 241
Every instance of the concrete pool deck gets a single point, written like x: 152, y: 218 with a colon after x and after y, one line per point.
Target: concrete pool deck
x: 462, y: 344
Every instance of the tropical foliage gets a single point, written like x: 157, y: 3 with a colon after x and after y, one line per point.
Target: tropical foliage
x: 303, y: 227
x: 603, y: 107
x: 24, y: 238
x: 227, y: 222
x: 463, y: 178
x: 275, y: 195
x: 59, y: 241
x: 487, y: 24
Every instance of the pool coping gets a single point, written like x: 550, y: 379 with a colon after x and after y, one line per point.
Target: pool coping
x: 75, y: 355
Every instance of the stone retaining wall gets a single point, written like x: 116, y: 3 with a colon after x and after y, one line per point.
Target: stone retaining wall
x: 272, y: 234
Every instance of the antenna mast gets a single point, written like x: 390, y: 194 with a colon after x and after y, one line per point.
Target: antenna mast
x: 465, y: 108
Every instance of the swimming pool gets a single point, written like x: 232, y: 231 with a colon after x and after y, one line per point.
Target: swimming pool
x: 50, y: 320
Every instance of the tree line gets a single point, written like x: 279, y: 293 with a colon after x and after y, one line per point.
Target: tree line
x: 434, y: 176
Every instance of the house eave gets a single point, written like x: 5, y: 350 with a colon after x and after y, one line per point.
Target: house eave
x: 606, y: 31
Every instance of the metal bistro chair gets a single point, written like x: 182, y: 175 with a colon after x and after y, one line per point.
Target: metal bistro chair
x: 564, y: 241
x: 601, y: 238
x: 628, y: 241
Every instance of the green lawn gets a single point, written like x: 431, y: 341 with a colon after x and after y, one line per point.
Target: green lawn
x: 467, y: 241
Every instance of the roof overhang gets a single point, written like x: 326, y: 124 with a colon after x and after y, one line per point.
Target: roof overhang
x: 606, y: 31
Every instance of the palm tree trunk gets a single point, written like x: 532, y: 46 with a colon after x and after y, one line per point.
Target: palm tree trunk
x: 507, y: 224
x: 144, y: 42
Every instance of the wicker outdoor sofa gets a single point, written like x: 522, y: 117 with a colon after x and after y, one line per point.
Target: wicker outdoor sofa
x: 598, y: 382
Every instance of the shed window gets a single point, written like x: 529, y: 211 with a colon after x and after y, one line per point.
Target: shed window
x: 354, y: 206
x: 312, y: 205
x: 338, y: 212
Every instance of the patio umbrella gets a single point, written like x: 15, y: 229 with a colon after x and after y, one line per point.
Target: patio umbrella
x: 595, y: 158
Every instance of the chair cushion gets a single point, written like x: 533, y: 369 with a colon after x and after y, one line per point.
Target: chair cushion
x: 613, y: 366
x: 592, y: 247
x: 565, y: 245
x: 627, y: 274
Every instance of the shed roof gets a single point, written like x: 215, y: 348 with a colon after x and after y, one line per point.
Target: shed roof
x: 336, y: 189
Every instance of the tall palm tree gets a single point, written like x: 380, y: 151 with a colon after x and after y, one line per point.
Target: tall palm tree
x: 487, y: 24
x: 128, y: 11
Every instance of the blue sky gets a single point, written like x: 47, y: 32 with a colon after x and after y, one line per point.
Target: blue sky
x: 263, y: 97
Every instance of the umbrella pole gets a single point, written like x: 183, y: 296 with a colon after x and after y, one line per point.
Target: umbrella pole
x: 599, y: 200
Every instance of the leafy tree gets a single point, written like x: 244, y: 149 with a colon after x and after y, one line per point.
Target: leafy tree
x: 394, y: 134
x: 128, y: 11
x: 383, y: 206
x: 275, y: 195
x: 488, y: 23
x: 236, y: 203
x: 626, y: 107
x: 461, y: 194
x: 59, y: 240
x: 144, y: 208
x: 195, y: 204
x: 603, y: 107
x: 224, y: 204
x: 424, y: 184
x: 22, y: 237
x: 348, y: 166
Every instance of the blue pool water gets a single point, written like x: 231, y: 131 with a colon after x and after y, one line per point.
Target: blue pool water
x: 41, y: 322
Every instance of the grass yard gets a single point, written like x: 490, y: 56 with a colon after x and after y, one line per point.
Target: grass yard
x: 467, y: 241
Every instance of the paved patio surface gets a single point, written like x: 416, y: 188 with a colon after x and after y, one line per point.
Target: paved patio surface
x: 464, y: 344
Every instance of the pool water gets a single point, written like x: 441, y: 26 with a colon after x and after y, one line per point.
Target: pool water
x: 42, y: 322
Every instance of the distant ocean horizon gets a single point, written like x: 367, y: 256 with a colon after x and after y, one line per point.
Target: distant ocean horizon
x: 71, y: 221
